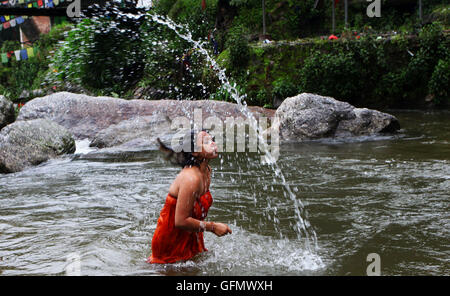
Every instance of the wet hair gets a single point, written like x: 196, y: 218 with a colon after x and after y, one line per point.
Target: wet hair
x: 182, y: 158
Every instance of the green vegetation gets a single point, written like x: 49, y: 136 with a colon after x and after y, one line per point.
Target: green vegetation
x: 17, y: 76
x: 103, y: 54
x: 388, y: 62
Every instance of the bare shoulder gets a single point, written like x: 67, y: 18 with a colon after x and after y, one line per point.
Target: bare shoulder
x: 190, y: 177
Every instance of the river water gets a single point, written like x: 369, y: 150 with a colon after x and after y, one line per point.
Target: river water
x: 387, y: 195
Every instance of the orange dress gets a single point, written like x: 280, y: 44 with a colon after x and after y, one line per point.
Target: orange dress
x: 171, y: 244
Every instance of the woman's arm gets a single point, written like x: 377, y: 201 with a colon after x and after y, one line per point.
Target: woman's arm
x: 187, y: 194
x: 190, y: 186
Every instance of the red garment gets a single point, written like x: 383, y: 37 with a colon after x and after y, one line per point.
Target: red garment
x: 171, y: 244
x: 203, y: 4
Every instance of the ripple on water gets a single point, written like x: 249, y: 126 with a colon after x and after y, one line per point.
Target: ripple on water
x: 389, y: 197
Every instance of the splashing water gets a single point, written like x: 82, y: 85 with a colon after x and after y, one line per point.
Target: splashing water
x: 302, y: 225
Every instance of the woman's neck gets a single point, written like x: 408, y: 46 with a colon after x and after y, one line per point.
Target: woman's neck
x: 204, y: 165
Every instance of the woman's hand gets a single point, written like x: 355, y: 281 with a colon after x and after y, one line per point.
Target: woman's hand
x: 221, y: 229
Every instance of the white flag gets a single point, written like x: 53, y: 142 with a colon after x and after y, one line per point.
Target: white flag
x: 17, y: 53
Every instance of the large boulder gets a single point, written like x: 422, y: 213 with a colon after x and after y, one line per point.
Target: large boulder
x: 310, y: 116
x: 7, y: 112
x: 108, y: 121
x: 31, y: 142
x: 136, y: 133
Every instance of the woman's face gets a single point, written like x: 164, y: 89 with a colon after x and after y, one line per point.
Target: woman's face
x: 209, y: 147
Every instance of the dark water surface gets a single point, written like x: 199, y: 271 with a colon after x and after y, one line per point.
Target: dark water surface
x: 387, y: 195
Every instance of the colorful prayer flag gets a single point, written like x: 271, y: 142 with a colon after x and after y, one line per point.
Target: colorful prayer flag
x: 4, y: 58
x: 23, y: 54
x: 17, y: 53
x: 19, y: 20
x: 13, y: 22
x: 30, y: 52
x: 6, y: 25
x: 40, y: 3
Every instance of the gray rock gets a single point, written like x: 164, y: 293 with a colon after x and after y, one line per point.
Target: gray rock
x: 310, y: 116
x: 367, y: 122
x: 111, y: 121
x: 7, y: 112
x: 37, y: 92
x: 145, y: 130
x: 31, y: 142
x: 25, y: 94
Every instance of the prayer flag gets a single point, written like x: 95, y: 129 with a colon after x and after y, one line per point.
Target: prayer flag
x: 17, y: 53
x: 23, y: 54
x: 30, y: 52
x: 4, y: 58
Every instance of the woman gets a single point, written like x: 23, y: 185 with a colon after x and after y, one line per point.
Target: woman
x: 179, y: 231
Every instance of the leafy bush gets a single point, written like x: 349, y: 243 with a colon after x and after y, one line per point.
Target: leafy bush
x: 190, y: 13
x: 332, y: 74
x: 173, y: 68
x: 283, y: 88
x: 102, y: 53
x: 439, y: 82
x: 222, y: 93
x: 17, y: 76
x: 237, y: 43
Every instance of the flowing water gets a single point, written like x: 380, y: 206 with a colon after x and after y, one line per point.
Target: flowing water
x: 302, y: 226
x: 387, y: 195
